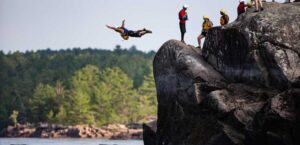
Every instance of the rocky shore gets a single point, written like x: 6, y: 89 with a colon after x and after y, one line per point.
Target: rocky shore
x: 111, y: 131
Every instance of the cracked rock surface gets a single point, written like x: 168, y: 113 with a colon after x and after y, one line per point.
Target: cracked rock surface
x: 242, y: 88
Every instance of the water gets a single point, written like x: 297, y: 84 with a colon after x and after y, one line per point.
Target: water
x: 66, y: 141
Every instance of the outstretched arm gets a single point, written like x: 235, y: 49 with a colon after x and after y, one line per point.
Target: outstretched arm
x: 120, y: 30
x: 123, y: 23
x: 111, y: 27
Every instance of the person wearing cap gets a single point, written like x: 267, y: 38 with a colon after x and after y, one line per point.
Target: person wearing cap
x: 224, y: 18
x: 241, y: 8
x: 207, y: 24
x: 183, y: 17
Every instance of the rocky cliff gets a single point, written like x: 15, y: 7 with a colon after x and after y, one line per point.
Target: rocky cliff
x: 243, y: 87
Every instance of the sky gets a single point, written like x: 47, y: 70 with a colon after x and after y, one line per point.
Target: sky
x: 60, y: 24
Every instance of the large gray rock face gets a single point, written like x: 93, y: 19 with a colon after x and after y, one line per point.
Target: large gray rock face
x: 243, y: 88
x: 259, y: 48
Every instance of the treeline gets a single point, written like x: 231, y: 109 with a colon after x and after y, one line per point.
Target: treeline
x: 76, y: 86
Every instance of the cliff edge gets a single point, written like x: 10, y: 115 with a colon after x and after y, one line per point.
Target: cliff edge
x: 242, y: 89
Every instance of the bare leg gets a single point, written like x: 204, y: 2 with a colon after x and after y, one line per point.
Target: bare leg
x: 143, y: 32
x: 199, y: 40
x: 261, y: 5
x: 256, y: 4
x: 123, y: 24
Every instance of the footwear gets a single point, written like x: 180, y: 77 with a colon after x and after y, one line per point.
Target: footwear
x: 147, y: 31
x: 198, y: 47
x: 256, y: 11
x: 183, y: 41
x: 261, y: 9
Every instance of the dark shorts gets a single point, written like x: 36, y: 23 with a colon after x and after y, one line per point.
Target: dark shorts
x: 182, y: 28
x: 203, y: 33
x: 133, y: 33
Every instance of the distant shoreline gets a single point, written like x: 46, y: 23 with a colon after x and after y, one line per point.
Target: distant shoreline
x: 111, y: 131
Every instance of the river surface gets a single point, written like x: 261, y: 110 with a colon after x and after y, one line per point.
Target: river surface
x: 66, y: 141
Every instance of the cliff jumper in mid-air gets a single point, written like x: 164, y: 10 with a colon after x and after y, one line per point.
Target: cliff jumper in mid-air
x: 125, y: 33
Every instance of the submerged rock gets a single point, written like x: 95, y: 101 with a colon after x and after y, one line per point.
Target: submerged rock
x: 243, y: 88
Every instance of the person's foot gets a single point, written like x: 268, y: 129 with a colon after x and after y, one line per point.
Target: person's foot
x: 256, y: 11
x: 198, y: 47
x: 147, y: 31
x: 261, y: 9
x: 183, y: 41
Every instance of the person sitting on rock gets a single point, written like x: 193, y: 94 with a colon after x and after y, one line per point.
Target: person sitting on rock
x: 125, y: 33
x: 224, y: 18
x: 207, y: 24
x: 241, y: 8
x: 258, y: 3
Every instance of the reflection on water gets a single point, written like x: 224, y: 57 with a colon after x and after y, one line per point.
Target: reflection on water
x: 66, y: 141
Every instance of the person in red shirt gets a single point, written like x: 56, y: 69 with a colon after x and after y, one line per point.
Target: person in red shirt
x: 241, y: 8
x: 183, y: 17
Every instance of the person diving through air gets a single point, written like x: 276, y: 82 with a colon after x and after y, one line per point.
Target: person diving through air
x: 125, y: 33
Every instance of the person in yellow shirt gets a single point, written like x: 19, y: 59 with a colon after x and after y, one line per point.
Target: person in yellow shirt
x: 207, y: 24
x: 224, y: 18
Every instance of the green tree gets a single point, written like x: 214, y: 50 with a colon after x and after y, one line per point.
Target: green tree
x: 147, y: 97
x: 115, y: 97
x: 43, y: 102
x: 61, y: 116
x: 37, y: 83
x: 14, y: 117
x: 84, y: 83
x: 80, y: 109
x: 50, y: 117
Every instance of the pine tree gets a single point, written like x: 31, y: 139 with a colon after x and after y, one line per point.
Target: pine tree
x: 82, y: 95
x: 61, y: 116
x: 41, y: 103
x: 14, y: 117
x: 147, y: 97
x: 80, y: 109
x: 114, y: 97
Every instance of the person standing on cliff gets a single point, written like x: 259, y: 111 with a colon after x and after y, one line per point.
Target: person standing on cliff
x: 258, y: 3
x: 207, y: 24
x: 183, y: 17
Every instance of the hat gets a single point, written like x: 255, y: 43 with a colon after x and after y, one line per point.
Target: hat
x: 185, y: 6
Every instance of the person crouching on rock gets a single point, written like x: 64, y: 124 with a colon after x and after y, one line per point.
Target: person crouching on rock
x: 125, y: 33
x: 183, y: 17
x: 207, y: 24
x: 224, y: 18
